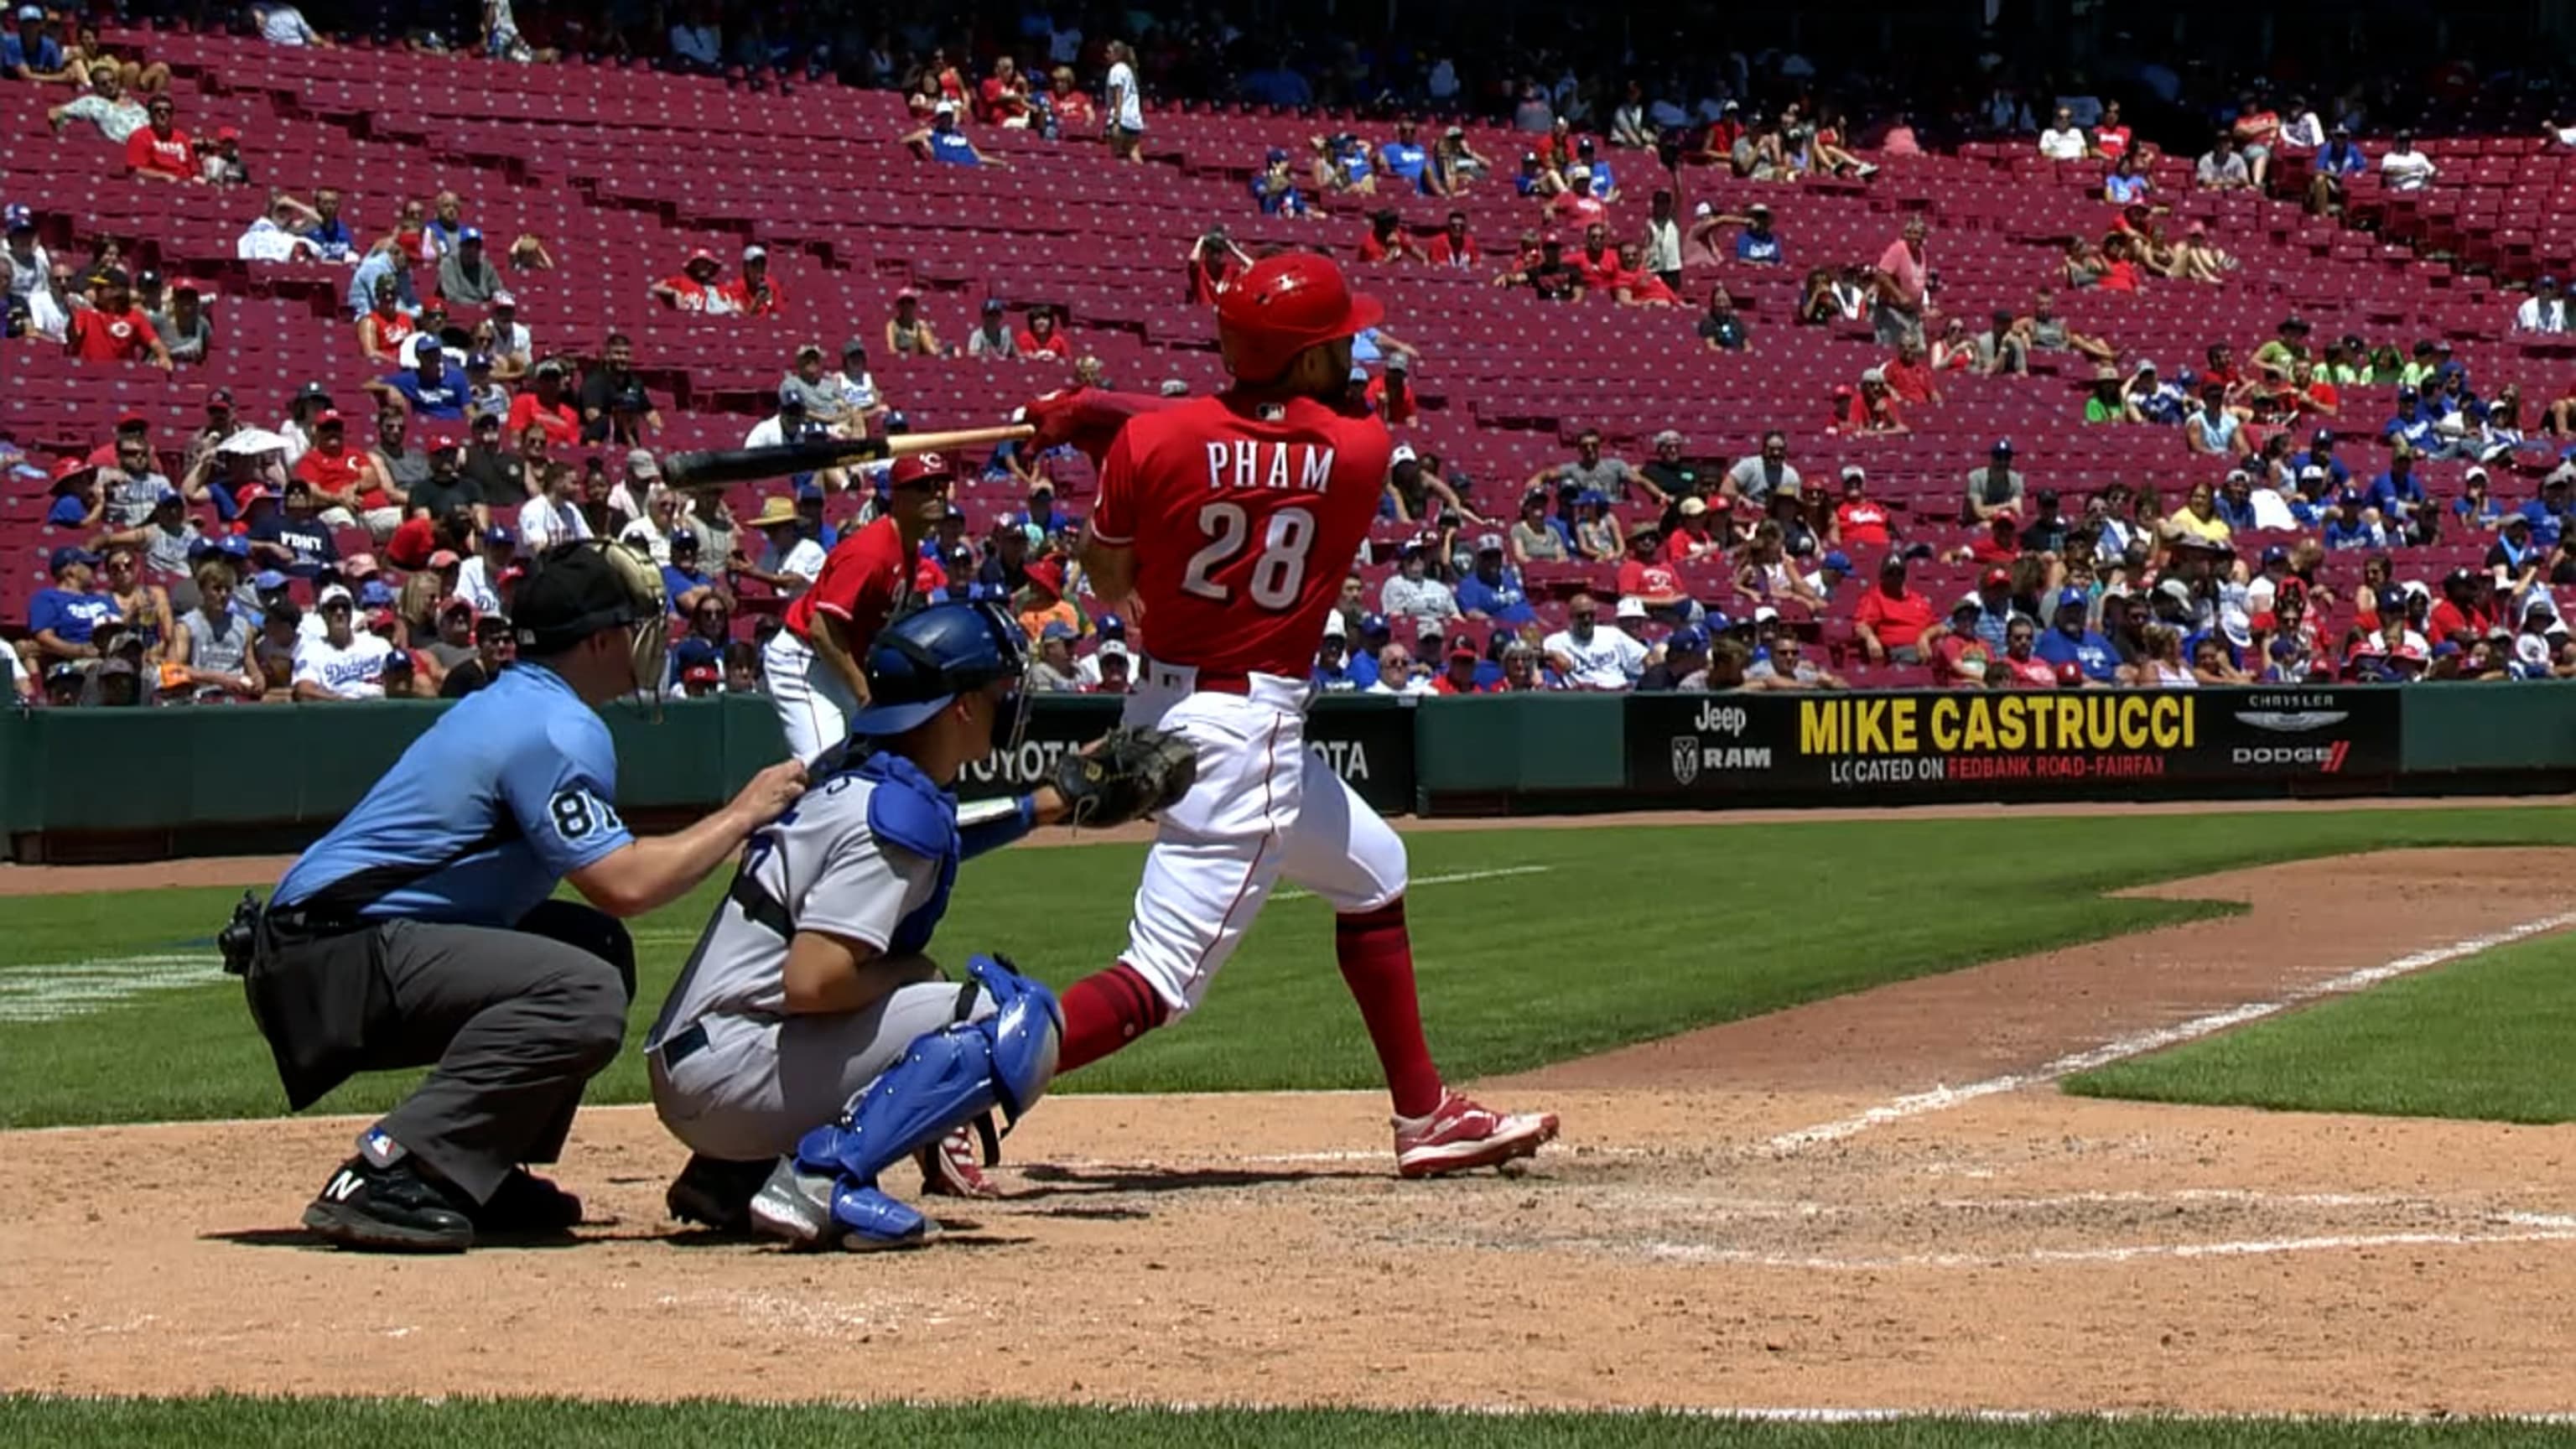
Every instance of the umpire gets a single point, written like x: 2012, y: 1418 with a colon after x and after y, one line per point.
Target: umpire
x: 420, y: 930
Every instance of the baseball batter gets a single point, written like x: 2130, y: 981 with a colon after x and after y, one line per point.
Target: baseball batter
x: 813, y: 664
x: 1231, y: 520
x: 810, y: 1023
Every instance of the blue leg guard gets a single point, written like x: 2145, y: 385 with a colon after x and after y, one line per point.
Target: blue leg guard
x: 947, y: 1078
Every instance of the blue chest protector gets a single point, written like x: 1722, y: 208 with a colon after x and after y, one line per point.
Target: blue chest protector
x: 906, y: 809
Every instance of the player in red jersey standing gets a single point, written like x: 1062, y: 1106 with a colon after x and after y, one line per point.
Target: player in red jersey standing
x: 1230, y: 521
x: 813, y: 664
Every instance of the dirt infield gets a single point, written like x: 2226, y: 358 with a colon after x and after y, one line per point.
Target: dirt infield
x: 1873, y: 1202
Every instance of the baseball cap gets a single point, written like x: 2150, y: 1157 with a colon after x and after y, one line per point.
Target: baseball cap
x: 1630, y: 608
x: 469, y: 234
x: 2073, y: 599
x: 2003, y: 448
x: 1694, y: 506
x: 497, y: 534
x: 1464, y: 647
x: 2277, y: 553
x: 479, y: 362
x: 702, y: 674
x: 1048, y: 574
x: 1110, y: 626
x: 444, y: 558
x: 64, y: 557
x: 424, y: 347
x: 17, y: 217
x: 1373, y: 624
x: 268, y: 581
x: 1689, y: 639
x: 360, y: 566
x: 701, y: 255
x: 1489, y: 543
x: 641, y: 463
x: 335, y: 594
x: 376, y: 594
x: 1968, y: 603
x: 1994, y: 577
x: 2176, y: 590
x: 992, y: 306
x: 755, y: 253
x: 503, y: 299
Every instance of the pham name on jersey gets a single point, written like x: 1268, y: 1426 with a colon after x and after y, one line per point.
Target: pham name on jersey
x: 1245, y: 463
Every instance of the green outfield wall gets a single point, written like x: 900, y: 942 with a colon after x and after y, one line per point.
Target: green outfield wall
x: 100, y: 783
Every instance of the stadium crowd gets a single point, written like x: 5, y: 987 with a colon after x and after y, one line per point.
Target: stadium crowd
x: 322, y: 554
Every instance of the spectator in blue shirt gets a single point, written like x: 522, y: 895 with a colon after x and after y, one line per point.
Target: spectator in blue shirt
x: 1758, y: 245
x: 2069, y: 640
x: 292, y: 538
x: 1274, y: 190
x: 1404, y: 157
x: 2476, y: 508
x: 2399, y: 495
x: 2353, y: 530
x: 2548, y: 512
x: 427, y: 389
x: 2320, y: 454
x: 2413, y: 424
x: 2126, y: 183
x: 1600, y: 183
x: 387, y: 260
x: 942, y: 141
x: 2235, y: 501
x: 2310, y: 506
x: 64, y: 619
x: 1492, y: 590
x: 27, y: 53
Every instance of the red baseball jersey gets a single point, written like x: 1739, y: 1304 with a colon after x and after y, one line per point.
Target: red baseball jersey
x: 1245, y: 518
x: 864, y: 578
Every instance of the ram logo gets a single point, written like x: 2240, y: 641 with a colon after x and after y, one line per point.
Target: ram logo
x: 2293, y: 722
x: 1685, y: 759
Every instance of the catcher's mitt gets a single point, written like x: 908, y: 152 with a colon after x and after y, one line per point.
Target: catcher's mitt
x: 1129, y: 774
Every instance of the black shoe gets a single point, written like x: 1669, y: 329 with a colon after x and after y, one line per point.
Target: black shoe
x: 526, y: 1206
x: 716, y: 1192
x: 388, y: 1209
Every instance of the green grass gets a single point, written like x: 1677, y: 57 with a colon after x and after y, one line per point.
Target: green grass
x: 1629, y: 934
x: 2485, y: 1037
x: 563, y: 1424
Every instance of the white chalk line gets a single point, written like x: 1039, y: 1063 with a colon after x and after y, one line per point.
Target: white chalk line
x: 1463, y: 877
x: 1831, y: 1414
x: 55, y: 990
x: 2110, y: 1253
x: 2118, y: 1049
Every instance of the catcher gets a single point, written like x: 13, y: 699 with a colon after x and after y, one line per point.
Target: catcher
x: 809, y: 1023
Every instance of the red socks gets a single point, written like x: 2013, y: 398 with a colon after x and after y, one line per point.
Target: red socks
x: 1103, y: 1012
x: 1376, y: 955
x: 1108, y: 1009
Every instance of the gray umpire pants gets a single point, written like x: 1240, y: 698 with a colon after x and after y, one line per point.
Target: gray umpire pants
x: 512, y: 1023
x: 744, y: 1088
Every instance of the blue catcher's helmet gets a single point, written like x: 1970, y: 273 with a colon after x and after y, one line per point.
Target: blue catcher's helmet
x: 923, y: 660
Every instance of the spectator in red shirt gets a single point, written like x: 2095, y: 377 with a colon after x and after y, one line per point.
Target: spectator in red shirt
x: 1388, y: 241
x: 161, y: 151
x: 1873, y: 409
x: 543, y: 405
x: 1460, y: 676
x: 112, y: 328
x: 694, y: 288
x: 1003, y: 97
x: 1861, y: 524
x: 1890, y: 619
x: 753, y: 294
x: 2021, y: 667
x: 1959, y: 658
x: 2000, y: 545
x: 1391, y: 396
x: 1690, y: 540
x: 1043, y: 336
x: 2461, y: 617
x: 1910, y: 376
x: 1215, y: 261
x: 1634, y: 286
x: 1455, y: 246
x: 1075, y: 115
x: 1596, y: 261
x: 1646, y: 578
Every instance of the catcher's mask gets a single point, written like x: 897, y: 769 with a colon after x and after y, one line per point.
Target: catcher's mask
x: 925, y: 659
x: 579, y: 589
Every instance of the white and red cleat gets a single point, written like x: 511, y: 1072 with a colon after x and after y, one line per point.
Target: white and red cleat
x: 1459, y: 1136
x: 951, y: 1167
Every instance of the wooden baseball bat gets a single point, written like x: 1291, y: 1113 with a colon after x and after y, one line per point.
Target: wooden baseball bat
x: 714, y: 468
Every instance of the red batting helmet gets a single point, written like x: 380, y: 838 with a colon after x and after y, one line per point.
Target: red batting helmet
x: 1284, y: 305
x: 914, y: 468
